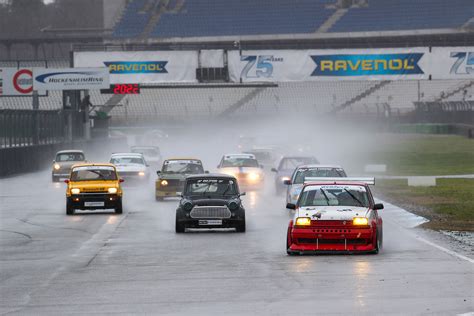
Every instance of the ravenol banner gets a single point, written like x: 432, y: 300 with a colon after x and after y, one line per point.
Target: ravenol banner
x: 143, y: 67
x: 344, y: 64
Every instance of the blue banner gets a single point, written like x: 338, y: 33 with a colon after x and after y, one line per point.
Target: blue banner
x: 347, y: 65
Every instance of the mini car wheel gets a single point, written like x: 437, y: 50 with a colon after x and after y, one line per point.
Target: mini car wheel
x: 118, y: 207
x: 55, y: 179
x: 377, y: 245
x: 288, y: 244
x: 179, y: 227
x: 159, y: 198
x: 240, y: 227
x: 69, y: 208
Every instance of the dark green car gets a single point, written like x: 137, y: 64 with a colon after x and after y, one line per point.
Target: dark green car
x: 171, y: 177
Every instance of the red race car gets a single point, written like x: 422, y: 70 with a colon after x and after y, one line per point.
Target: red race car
x: 335, y: 215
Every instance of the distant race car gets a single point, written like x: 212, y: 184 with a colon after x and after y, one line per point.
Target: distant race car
x: 287, y: 166
x: 266, y: 156
x: 93, y: 186
x: 151, y: 153
x: 170, y: 181
x: 63, y: 162
x: 302, y: 173
x: 245, y: 168
x: 335, y: 215
x: 210, y: 201
x: 131, y: 166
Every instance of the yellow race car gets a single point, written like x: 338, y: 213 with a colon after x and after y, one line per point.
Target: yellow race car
x: 93, y: 186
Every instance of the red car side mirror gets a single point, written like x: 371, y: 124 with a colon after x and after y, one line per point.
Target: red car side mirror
x: 121, y: 180
x: 66, y: 181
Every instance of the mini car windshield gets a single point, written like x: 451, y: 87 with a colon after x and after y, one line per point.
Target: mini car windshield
x: 261, y: 155
x: 89, y: 174
x: 69, y: 157
x: 292, y: 163
x: 127, y: 160
x: 182, y: 167
x: 301, y: 174
x: 334, y: 196
x: 215, y: 187
x: 240, y: 162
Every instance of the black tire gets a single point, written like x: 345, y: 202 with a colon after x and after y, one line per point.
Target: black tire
x: 159, y: 198
x: 118, y: 207
x: 55, y: 179
x: 69, y: 208
x: 179, y: 227
x: 377, y: 245
x: 240, y: 227
x: 288, y: 251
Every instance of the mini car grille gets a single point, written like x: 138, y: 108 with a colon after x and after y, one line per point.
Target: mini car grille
x: 210, y: 212
x: 174, y: 182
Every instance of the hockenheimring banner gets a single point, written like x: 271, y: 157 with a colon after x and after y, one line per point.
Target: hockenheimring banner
x: 143, y: 66
x: 48, y: 79
x: 342, y: 64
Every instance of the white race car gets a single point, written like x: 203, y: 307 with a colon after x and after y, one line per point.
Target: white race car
x: 244, y: 167
x: 130, y: 166
x: 304, y: 173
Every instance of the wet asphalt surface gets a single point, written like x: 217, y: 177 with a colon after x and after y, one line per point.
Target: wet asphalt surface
x: 53, y: 264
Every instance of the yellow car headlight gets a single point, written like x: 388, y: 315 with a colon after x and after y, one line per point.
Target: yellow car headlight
x: 164, y: 183
x: 112, y: 190
x: 75, y: 191
x: 303, y: 221
x: 360, y: 221
x: 56, y: 166
x: 254, y: 176
x: 141, y: 174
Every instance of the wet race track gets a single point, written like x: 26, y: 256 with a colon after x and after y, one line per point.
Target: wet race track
x: 135, y: 263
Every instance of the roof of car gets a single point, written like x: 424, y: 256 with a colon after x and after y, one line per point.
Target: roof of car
x: 91, y: 164
x: 154, y: 147
x: 298, y: 157
x: 210, y: 176
x: 320, y: 166
x: 183, y: 158
x: 65, y: 151
x: 342, y: 182
x: 127, y: 154
x: 240, y: 155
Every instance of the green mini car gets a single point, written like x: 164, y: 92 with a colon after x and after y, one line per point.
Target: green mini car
x: 171, y: 177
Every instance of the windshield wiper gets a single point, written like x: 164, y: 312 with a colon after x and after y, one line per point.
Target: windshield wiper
x: 353, y: 196
x: 226, y: 189
x: 325, y: 196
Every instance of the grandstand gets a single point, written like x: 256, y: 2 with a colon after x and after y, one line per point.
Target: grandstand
x: 203, y: 18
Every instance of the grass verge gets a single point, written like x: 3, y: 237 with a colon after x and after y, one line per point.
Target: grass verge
x: 449, y: 205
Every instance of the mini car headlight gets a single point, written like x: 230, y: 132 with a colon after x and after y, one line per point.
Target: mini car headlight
x: 75, y: 191
x: 164, y: 183
x: 187, y: 206
x: 254, y: 176
x: 141, y: 174
x: 283, y: 179
x: 303, y: 221
x: 56, y: 166
x: 360, y: 221
x: 112, y: 190
x: 233, y: 205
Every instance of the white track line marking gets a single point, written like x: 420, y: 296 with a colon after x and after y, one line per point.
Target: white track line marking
x: 450, y: 252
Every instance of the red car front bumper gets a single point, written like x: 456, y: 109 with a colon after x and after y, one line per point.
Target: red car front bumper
x: 330, y: 239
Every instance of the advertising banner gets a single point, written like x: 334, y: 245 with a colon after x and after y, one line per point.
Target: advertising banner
x: 143, y: 67
x: 329, y: 65
x: 452, y: 63
x: 47, y: 79
x: 16, y: 81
